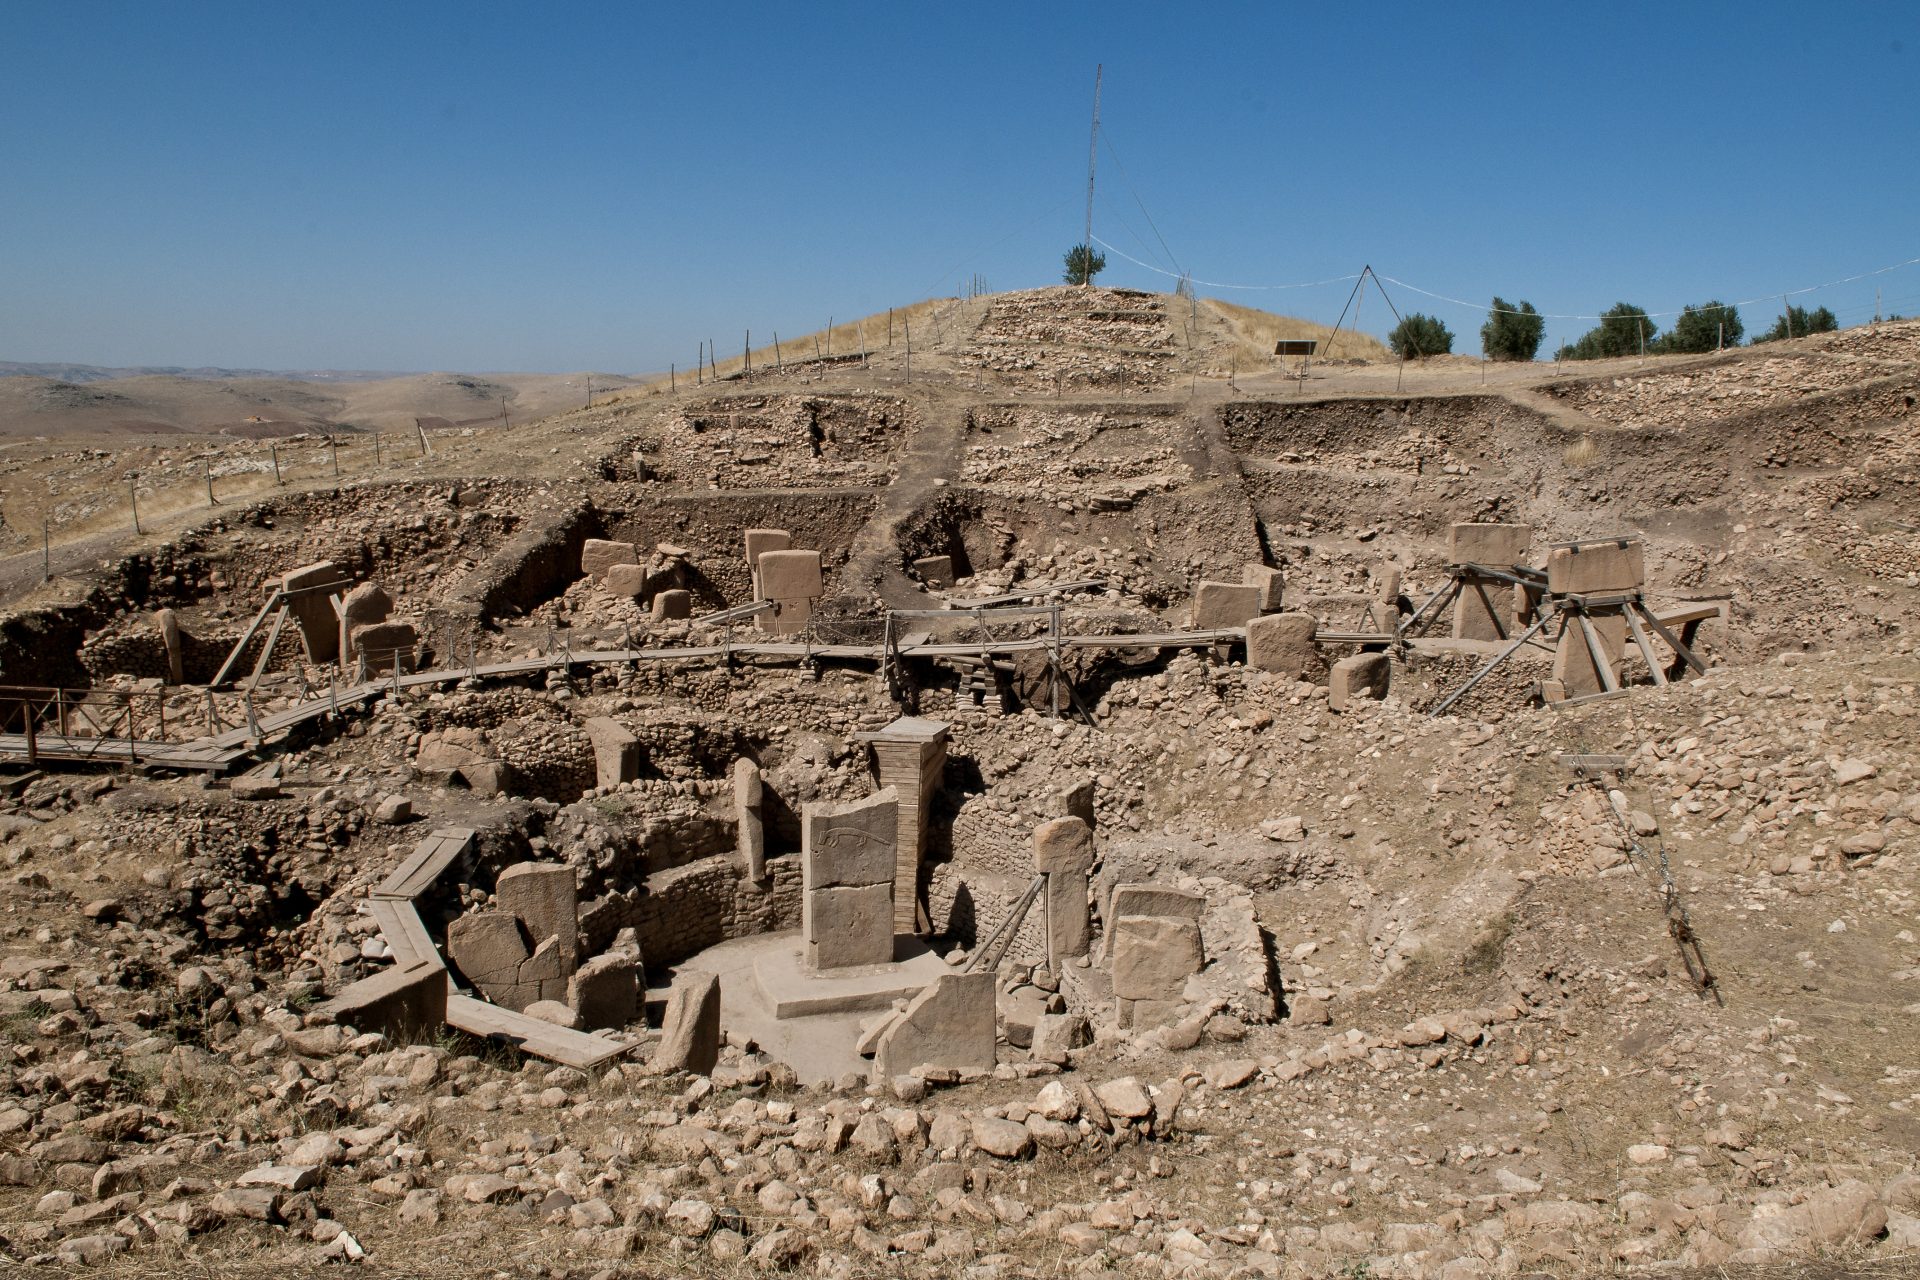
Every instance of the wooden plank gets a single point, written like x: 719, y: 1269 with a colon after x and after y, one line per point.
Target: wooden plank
x: 274, y: 601
x: 1695, y: 613
x: 391, y: 917
x: 541, y: 1039
x: 423, y: 866
x: 1586, y: 763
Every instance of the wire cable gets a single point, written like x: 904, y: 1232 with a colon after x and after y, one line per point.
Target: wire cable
x: 1765, y: 297
x: 1215, y: 284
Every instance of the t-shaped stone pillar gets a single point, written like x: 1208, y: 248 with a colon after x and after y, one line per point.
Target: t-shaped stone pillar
x: 910, y: 757
x: 846, y: 881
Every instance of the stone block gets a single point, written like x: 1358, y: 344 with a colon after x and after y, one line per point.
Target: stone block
x: 949, y: 1025
x: 384, y: 643
x: 1224, y: 604
x: 597, y: 555
x: 1600, y: 567
x: 1498, y: 546
x: 1364, y: 675
x: 849, y: 843
x: 556, y: 1012
x: 1056, y: 1034
x: 690, y: 1034
x: 543, y: 897
x: 616, y: 751
x: 1075, y: 800
x: 626, y: 580
x: 1270, y: 582
x: 1153, y: 956
x: 790, y: 575
x: 312, y: 610
x: 169, y: 623
x: 672, y: 604
x: 605, y: 991
x: 395, y: 1002
x: 935, y: 571
x: 846, y: 927
x: 488, y: 948
x: 544, y: 974
x: 487, y: 777
x: 1283, y: 644
x: 1156, y: 900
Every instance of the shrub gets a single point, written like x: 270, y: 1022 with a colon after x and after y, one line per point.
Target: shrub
x: 1703, y: 328
x: 1511, y: 332
x: 1622, y: 329
x: 1420, y: 335
x: 1798, y: 323
x: 1084, y: 263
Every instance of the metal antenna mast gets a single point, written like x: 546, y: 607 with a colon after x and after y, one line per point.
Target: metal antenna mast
x: 1093, y: 142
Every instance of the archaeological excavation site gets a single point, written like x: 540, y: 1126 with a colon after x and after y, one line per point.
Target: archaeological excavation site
x: 1049, y: 791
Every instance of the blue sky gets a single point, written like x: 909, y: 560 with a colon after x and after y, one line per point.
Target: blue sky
x: 558, y: 187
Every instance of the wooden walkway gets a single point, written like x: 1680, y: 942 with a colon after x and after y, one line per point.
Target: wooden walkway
x: 217, y: 751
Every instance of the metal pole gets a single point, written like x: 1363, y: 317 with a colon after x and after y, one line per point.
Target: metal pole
x: 46, y: 549
x: 209, y: 466
x: 275, y: 450
x: 133, y: 497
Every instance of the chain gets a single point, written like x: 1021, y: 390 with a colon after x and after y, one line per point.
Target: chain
x: 1672, y: 907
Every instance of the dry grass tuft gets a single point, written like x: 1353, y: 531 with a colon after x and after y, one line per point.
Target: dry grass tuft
x: 1582, y: 453
x: 1256, y: 331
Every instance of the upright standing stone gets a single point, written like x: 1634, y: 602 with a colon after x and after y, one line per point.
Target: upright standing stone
x: 1271, y: 583
x: 749, y: 797
x: 672, y: 604
x: 1063, y: 852
x: 949, y: 1025
x: 366, y: 605
x: 793, y: 581
x: 690, y: 1034
x: 847, y: 869
x: 759, y: 542
x: 169, y: 623
x: 910, y: 758
x: 1224, y: 604
x: 1610, y: 567
x: 385, y: 645
x: 544, y: 897
x: 1383, y: 610
x: 311, y: 607
x: 616, y: 751
x: 605, y: 991
x: 597, y: 555
x: 1487, y: 607
x: 1283, y: 643
x: 1075, y: 800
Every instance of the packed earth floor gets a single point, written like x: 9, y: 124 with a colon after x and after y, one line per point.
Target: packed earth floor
x: 1439, y: 1021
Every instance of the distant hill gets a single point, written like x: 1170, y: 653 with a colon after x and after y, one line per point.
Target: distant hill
x: 84, y: 373
x: 227, y: 402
